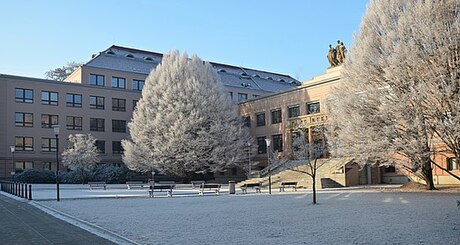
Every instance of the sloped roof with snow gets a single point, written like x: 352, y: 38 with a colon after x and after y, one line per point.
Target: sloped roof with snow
x: 141, y: 61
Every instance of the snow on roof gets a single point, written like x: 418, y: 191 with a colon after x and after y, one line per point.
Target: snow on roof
x: 141, y: 61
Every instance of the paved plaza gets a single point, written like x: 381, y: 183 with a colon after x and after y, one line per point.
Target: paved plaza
x: 22, y: 223
x: 343, y: 216
x: 347, y: 216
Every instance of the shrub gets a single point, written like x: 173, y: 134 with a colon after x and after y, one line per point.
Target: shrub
x: 101, y: 172
x: 70, y: 177
x: 36, y: 176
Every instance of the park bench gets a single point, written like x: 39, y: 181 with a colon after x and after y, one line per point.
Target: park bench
x: 286, y: 184
x: 196, y: 183
x: 168, y: 187
x: 97, y: 184
x: 132, y: 184
x: 255, y: 186
x: 209, y: 187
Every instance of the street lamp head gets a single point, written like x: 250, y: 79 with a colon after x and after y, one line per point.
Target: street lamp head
x: 56, y: 129
x: 268, y: 141
x: 249, y: 143
x: 12, y: 148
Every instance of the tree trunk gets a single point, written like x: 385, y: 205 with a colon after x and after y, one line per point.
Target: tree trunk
x: 82, y: 176
x: 314, y: 188
x: 427, y: 173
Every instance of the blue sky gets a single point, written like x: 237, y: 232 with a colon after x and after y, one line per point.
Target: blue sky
x: 289, y: 37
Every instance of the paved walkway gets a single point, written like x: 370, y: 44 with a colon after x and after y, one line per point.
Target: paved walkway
x: 21, y: 223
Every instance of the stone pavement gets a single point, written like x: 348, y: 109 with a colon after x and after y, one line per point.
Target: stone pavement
x: 21, y: 223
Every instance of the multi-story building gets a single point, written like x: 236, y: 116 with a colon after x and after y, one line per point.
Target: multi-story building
x: 98, y: 98
x: 280, y: 116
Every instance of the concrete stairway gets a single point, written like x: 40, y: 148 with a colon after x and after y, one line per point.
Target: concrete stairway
x: 329, y: 169
x: 329, y: 183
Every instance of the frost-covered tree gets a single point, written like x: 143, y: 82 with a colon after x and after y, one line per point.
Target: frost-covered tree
x: 61, y: 73
x: 390, y: 109
x: 308, y: 153
x: 184, y: 121
x: 81, y: 154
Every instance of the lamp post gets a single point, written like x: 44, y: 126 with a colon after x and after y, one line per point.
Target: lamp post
x: 151, y: 168
x: 56, y: 134
x: 269, y: 167
x: 249, y: 160
x: 12, y: 149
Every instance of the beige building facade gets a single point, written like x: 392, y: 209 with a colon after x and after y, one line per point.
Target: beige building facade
x: 279, y: 116
x: 30, y: 106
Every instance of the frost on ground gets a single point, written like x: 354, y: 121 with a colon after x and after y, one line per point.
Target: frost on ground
x: 339, y: 218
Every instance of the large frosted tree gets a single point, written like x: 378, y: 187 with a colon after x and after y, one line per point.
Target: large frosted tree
x: 400, y: 95
x: 185, y: 122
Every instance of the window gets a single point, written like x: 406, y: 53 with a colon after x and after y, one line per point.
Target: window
x: 452, y: 164
x: 49, y: 120
x: 247, y: 121
x: 276, y: 116
x: 293, y: 111
x: 118, y: 104
x: 96, y: 102
x: 73, y: 100
x: 119, y: 126
x: 261, y: 145
x: 49, y: 144
x: 23, y: 119
x: 278, y: 142
x: 97, y: 124
x: 234, y: 171
x: 230, y: 94
x: 74, y: 123
x: 138, y: 84
x: 313, y: 108
x: 95, y: 79
x: 21, y: 165
x: 118, y: 82
x: 390, y: 169
x: 24, y: 95
x: 100, y: 145
x: 242, y: 97
x: 24, y: 143
x: 49, y: 98
x: 255, y: 96
x: 117, y: 148
x: 260, y: 118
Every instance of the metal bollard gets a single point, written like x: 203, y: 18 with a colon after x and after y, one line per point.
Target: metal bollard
x: 25, y: 190
x: 30, y: 192
x: 231, y: 187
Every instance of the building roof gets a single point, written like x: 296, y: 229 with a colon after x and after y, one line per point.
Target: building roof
x: 141, y: 61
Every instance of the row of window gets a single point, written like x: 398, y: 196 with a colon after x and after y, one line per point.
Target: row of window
x: 277, y: 143
x: 49, y: 145
x: 72, y: 100
x: 242, y: 96
x: 23, y: 119
x: 276, y: 116
x: 116, y: 82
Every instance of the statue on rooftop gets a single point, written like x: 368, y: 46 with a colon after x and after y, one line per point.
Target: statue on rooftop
x: 331, y: 56
x: 336, y: 56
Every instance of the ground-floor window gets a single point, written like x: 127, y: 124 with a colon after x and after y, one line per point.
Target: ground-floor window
x: 22, y: 165
x: 390, y: 169
x: 452, y: 163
